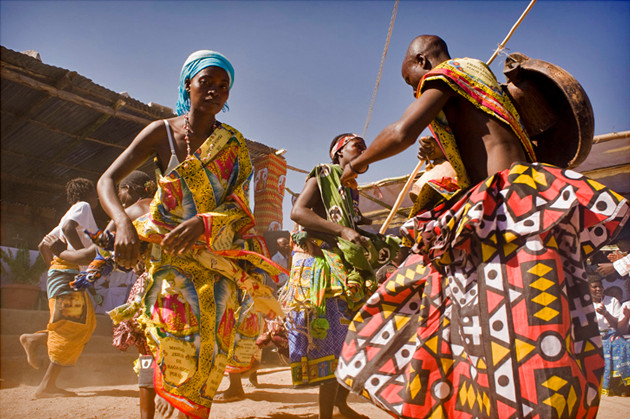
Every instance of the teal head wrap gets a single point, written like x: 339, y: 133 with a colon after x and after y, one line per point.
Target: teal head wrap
x: 196, y: 62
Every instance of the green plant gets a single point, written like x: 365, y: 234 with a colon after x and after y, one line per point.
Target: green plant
x: 17, y: 266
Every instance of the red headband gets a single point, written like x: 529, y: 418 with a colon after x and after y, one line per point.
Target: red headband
x: 341, y: 143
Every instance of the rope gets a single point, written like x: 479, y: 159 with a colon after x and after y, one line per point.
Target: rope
x: 509, y: 35
x: 380, y: 69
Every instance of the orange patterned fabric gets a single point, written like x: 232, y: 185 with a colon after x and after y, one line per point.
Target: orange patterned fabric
x: 269, y: 181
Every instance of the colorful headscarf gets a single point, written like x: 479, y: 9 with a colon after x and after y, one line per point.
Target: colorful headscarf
x: 341, y: 142
x: 196, y: 62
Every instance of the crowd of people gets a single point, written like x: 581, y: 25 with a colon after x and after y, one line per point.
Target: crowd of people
x: 483, y: 306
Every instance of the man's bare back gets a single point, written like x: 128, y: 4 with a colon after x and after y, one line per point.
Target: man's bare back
x: 486, y: 144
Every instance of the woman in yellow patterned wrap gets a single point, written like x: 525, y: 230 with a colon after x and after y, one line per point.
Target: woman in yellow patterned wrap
x: 199, y: 251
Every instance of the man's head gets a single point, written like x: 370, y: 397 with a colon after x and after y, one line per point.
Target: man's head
x: 346, y: 146
x: 81, y: 189
x: 424, y: 53
x: 283, y: 245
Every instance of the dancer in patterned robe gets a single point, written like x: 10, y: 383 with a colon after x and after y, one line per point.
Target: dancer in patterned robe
x: 490, y: 316
x: 200, y: 250
x: 328, y: 280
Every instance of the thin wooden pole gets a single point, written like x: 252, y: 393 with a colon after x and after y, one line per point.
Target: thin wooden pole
x: 401, y: 196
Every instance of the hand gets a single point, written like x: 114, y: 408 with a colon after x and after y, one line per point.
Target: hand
x: 184, y: 236
x: 54, y: 243
x: 605, y: 269
x: 429, y: 149
x: 353, y: 236
x: 601, y: 310
x: 349, y: 178
x: 127, y: 244
x: 616, y: 255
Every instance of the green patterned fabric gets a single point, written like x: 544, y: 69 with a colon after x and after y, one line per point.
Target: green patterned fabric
x: 346, y: 269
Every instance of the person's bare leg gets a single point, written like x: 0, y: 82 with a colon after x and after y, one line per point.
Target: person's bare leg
x: 30, y: 342
x: 48, y: 386
x: 252, y: 374
x: 327, y: 397
x: 341, y: 401
x: 147, y: 403
x: 234, y: 392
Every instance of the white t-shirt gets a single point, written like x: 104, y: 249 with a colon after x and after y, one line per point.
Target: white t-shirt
x: 283, y: 261
x: 622, y: 266
x: 81, y: 213
x: 612, y: 306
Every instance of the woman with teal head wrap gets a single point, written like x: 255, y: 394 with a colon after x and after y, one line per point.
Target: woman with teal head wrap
x: 201, y: 256
x: 196, y: 62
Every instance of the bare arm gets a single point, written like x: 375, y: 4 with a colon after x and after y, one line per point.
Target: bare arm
x: 141, y: 148
x: 303, y: 214
x: 80, y: 257
x: 69, y: 229
x: 398, y: 136
x: 49, y: 246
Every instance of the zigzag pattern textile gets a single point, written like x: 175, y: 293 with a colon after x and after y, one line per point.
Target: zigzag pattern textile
x: 493, y: 317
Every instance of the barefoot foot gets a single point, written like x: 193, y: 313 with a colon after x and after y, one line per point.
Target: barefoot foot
x: 229, y: 395
x: 53, y: 392
x: 349, y: 413
x: 29, y: 343
x: 164, y: 408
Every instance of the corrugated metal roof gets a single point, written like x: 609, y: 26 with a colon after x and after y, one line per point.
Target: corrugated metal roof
x: 57, y: 125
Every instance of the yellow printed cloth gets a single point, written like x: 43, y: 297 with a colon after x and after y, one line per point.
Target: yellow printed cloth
x: 72, y: 322
x: 191, y: 306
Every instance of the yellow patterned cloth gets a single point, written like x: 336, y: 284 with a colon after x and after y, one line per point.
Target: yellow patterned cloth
x: 191, y: 306
x: 72, y: 322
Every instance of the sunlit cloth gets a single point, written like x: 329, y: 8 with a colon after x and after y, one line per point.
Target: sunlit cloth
x: 329, y: 281
x: 472, y: 80
x: 249, y: 325
x: 196, y: 62
x: 191, y: 298
x: 493, y: 317
x: 127, y: 331
x: 616, y: 378
x: 269, y: 181
x: 72, y: 322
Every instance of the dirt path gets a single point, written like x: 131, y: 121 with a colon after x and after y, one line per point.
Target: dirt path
x: 274, y: 399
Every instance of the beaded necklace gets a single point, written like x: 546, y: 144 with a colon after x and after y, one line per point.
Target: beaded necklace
x: 215, y: 124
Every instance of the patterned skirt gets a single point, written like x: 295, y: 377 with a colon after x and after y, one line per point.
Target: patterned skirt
x: 617, y: 364
x: 492, y: 317
x: 313, y: 356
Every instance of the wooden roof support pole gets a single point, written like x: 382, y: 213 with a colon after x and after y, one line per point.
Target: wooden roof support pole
x: 69, y: 97
x: 63, y: 152
x: 66, y: 134
x: 37, y: 104
x: 607, y: 171
x: 48, y: 161
x: 612, y: 136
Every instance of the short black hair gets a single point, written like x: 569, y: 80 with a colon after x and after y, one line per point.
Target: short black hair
x: 79, y: 189
x: 335, y: 158
x: 139, y: 183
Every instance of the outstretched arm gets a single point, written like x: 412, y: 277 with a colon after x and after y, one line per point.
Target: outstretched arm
x: 398, y: 136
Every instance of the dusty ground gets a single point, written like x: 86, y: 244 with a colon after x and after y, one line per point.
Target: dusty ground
x: 274, y: 399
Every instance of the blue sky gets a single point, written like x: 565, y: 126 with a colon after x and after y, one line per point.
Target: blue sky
x: 305, y: 70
